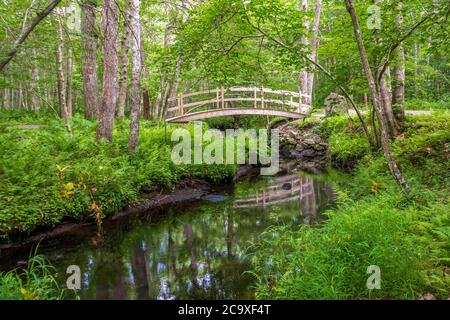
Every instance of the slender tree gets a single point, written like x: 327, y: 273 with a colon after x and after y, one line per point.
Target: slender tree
x: 135, y: 26
x: 398, y: 91
x: 125, y: 49
x: 110, y: 65
x: 89, y: 67
x: 377, y: 99
x: 314, y: 47
x: 61, y: 77
x: 69, y: 75
x: 303, y: 76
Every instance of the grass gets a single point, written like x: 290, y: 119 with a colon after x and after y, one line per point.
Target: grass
x: 374, y: 224
x: 48, y: 177
x: 36, y: 282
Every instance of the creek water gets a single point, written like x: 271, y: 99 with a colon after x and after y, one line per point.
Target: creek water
x: 196, y: 251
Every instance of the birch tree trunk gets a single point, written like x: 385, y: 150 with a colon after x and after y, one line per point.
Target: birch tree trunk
x: 34, y: 76
x: 398, y: 92
x: 163, y: 86
x: 69, y: 90
x: 89, y: 67
x: 61, y: 78
x: 303, y: 77
x: 110, y: 64
x: 135, y: 73
x: 386, y: 96
x: 314, y: 47
x: 393, y: 167
x: 125, y: 48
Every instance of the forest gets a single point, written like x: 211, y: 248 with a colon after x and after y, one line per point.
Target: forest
x: 94, y: 93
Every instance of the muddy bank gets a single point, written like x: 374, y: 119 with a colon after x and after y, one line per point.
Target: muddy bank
x: 154, y: 202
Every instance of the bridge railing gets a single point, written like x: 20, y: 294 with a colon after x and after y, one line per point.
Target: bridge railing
x: 221, y: 98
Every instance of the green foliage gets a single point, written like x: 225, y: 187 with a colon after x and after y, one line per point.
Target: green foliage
x: 420, y: 104
x: 36, y: 282
x: 345, y: 138
x: 331, y: 262
x: 48, y: 176
x: 374, y: 224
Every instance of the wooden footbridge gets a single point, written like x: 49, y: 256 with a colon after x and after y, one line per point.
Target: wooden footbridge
x: 235, y: 101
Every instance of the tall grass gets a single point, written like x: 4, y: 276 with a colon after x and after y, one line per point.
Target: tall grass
x: 374, y: 224
x: 36, y: 282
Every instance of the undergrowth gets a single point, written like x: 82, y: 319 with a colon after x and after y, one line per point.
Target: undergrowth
x: 48, y: 176
x: 374, y: 224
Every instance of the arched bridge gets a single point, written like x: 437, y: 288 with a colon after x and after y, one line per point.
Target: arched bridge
x: 233, y: 101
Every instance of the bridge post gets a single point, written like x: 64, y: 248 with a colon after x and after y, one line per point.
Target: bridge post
x: 217, y: 98
x: 299, y: 110
x: 255, y: 97
x: 222, y: 98
x: 181, y: 104
x: 262, y: 98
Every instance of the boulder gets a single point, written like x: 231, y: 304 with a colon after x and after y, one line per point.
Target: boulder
x: 335, y: 104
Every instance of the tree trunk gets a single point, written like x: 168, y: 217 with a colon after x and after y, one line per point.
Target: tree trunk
x: 110, y: 64
x: 125, y: 48
x: 393, y: 167
x: 385, y: 90
x: 34, y: 86
x: 386, y: 96
x: 135, y: 26
x: 164, y: 74
x: 146, y: 105
x: 69, y: 90
x: 61, y: 79
x: 314, y: 47
x: 398, y: 92
x: 89, y: 67
x: 303, y: 77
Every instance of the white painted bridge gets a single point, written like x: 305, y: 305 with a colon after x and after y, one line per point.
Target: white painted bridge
x: 235, y: 101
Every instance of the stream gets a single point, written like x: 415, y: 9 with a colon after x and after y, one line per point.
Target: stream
x: 194, y: 251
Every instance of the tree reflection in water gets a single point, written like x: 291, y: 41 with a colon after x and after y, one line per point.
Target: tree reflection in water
x: 199, y: 252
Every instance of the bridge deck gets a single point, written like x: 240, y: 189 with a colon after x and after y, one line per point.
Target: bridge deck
x: 234, y: 112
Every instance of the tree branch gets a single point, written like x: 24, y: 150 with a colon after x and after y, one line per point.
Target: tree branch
x: 26, y: 32
x: 398, y: 43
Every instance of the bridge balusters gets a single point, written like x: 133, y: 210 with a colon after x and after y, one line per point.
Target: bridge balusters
x: 181, y: 104
x: 217, y: 98
x: 262, y: 98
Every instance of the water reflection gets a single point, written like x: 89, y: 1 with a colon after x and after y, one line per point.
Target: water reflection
x: 197, y: 253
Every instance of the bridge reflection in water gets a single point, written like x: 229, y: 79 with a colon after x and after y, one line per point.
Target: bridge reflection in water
x: 195, y: 252
x: 288, y: 190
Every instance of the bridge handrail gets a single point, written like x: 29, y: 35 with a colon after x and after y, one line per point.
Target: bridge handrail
x: 241, y: 89
x: 257, y: 99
